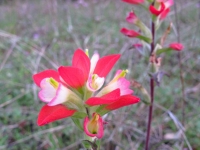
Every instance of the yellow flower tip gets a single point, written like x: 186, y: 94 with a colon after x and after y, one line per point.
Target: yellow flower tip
x: 123, y: 73
x: 93, y: 124
x: 96, y: 117
x: 53, y: 82
x: 94, y: 76
x: 87, y: 52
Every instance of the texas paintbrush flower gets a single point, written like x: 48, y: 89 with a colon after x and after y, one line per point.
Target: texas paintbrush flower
x: 77, y: 91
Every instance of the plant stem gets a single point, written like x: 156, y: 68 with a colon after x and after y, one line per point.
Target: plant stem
x: 150, y: 114
x: 151, y: 90
x: 180, y: 67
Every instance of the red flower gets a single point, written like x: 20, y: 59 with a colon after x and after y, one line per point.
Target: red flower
x: 129, y: 33
x: 135, y: 2
x: 94, y: 127
x: 122, y: 101
x: 163, y: 10
x: 155, y: 11
x: 168, y: 3
x: 131, y: 18
x: 59, y: 89
x: 52, y: 113
x: 114, y: 95
x: 164, y: 14
x: 68, y: 91
x: 176, y: 46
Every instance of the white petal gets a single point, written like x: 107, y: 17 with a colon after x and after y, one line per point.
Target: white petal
x: 48, y: 92
x: 61, y: 96
x: 93, y: 62
x: 94, y: 84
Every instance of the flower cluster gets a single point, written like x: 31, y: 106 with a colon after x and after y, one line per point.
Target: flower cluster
x: 161, y: 8
x: 158, y: 10
x: 78, y: 91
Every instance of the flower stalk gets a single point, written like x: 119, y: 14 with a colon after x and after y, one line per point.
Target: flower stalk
x: 151, y: 89
x: 159, y: 10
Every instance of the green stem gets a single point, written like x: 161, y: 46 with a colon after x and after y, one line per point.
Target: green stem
x: 151, y: 89
x: 89, y: 143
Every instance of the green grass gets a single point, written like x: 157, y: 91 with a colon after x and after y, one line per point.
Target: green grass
x: 37, y: 35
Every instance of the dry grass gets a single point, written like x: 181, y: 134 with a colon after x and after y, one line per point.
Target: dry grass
x: 36, y: 35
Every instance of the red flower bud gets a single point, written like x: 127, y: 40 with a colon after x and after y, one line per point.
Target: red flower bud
x: 155, y: 11
x: 176, y: 46
x: 129, y: 33
x: 131, y: 18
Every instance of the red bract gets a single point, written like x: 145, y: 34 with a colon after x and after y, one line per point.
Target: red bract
x: 168, y: 3
x: 74, y: 77
x: 176, y: 46
x: 113, y: 96
x: 164, y: 14
x: 105, y: 64
x: 129, y: 33
x: 81, y: 61
x: 131, y: 18
x: 94, y: 127
x: 155, y: 11
x: 52, y: 113
x: 105, y: 99
x: 45, y: 74
x: 123, y: 101
x: 163, y: 10
x: 135, y: 2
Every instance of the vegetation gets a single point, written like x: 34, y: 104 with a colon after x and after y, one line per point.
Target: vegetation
x: 37, y: 35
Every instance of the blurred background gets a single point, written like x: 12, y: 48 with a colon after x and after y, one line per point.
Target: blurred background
x: 43, y: 34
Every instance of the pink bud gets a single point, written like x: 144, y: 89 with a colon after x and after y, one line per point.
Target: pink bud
x: 93, y: 127
x: 129, y: 33
x: 176, y: 46
x: 131, y: 18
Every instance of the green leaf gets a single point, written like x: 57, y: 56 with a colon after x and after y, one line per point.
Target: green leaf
x: 78, y: 123
x: 144, y: 29
x: 98, y: 143
x: 144, y: 38
x: 100, y: 108
x: 87, y: 144
x: 157, y: 47
x: 163, y: 50
x: 79, y: 115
